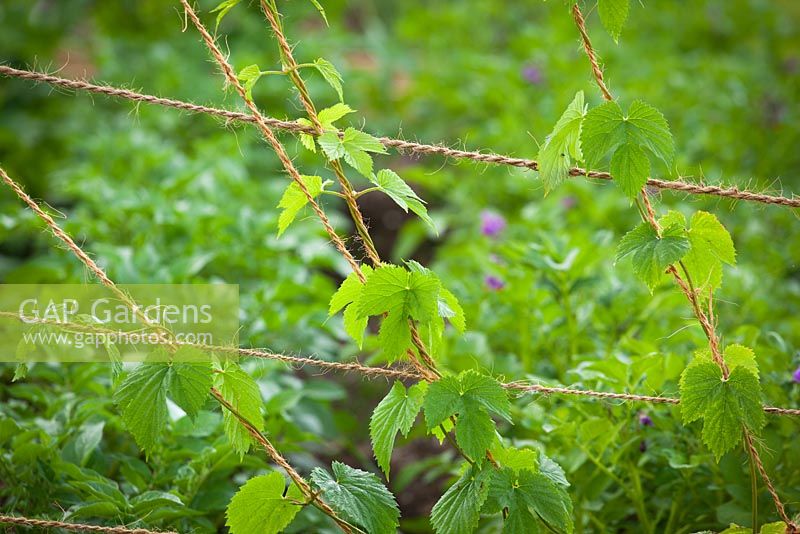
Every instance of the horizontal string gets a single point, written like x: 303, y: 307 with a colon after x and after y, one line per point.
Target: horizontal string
x: 398, y: 144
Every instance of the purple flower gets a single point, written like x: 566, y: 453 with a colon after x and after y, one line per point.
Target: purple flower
x: 568, y: 202
x: 532, y: 74
x: 796, y: 375
x: 645, y: 420
x: 494, y: 283
x: 492, y: 223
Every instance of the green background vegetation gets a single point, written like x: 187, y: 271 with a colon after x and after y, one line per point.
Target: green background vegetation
x: 159, y: 196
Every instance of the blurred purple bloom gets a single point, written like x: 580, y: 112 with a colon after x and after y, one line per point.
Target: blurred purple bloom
x: 532, y: 74
x: 645, y: 420
x: 568, y: 202
x: 796, y: 375
x: 494, y: 283
x: 492, y: 223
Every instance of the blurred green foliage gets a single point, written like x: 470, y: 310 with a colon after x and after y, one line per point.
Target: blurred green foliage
x: 160, y: 196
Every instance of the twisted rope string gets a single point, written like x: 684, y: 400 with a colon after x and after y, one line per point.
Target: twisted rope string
x: 75, y: 527
x: 399, y: 374
x: 400, y: 145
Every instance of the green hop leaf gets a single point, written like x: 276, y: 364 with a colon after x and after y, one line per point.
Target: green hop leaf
x: 332, y: 114
x: 459, y: 509
x: 259, y: 506
x: 331, y: 75
x: 354, y: 146
x: 349, y: 292
x: 403, y: 295
x: 142, y: 400
x: 395, y: 413
x: 249, y: 76
x: 451, y: 309
x: 222, y: 9
x: 528, y: 495
x: 359, y: 497
x: 724, y: 405
x: 711, y: 246
x: 321, y: 10
x: 563, y: 146
x: 190, y: 384
x: 650, y: 254
x: 613, y: 14
x: 472, y: 396
x: 644, y: 130
x: 398, y: 190
x: 293, y: 199
x: 241, y: 391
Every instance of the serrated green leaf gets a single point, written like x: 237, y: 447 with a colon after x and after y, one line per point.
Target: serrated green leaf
x: 259, y: 506
x: 190, y: 384
x: 487, y: 392
x: 395, y: 187
x: 527, y: 495
x: 321, y: 10
x: 355, y: 325
x: 650, y: 130
x: 606, y: 129
x: 472, y: 397
x: 517, y: 459
x: 613, y: 14
x: 222, y: 9
x: 451, y: 309
x: 630, y: 167
x: 389, y: 287
x: 650, y: 254
x: 550, y: 502
x: 142, y: 401
x: 602, y: 131
x: 740, y: 356
x: 403, y: 295
x: 20, y: 372
x: 241, y: 391
x: 711, y: 246
x: 395, y: 413
x: 563, y: 146
x: 293, y: 200
x: 332, y: 114
x: 357, y: 140
x: 734, y: 356
x: 359, y: 497
x: 394, y: 335
x: 331, y: 75
x: 348, y: 292
x: 474, y: 430
x: 307, y: 140
x: 249, y: 76
x: 331, y: 145
x: 398, y: 190
x: 421, y: 211
x: 458, y: 510
x: 724, y: 405
x: 353, y: 146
